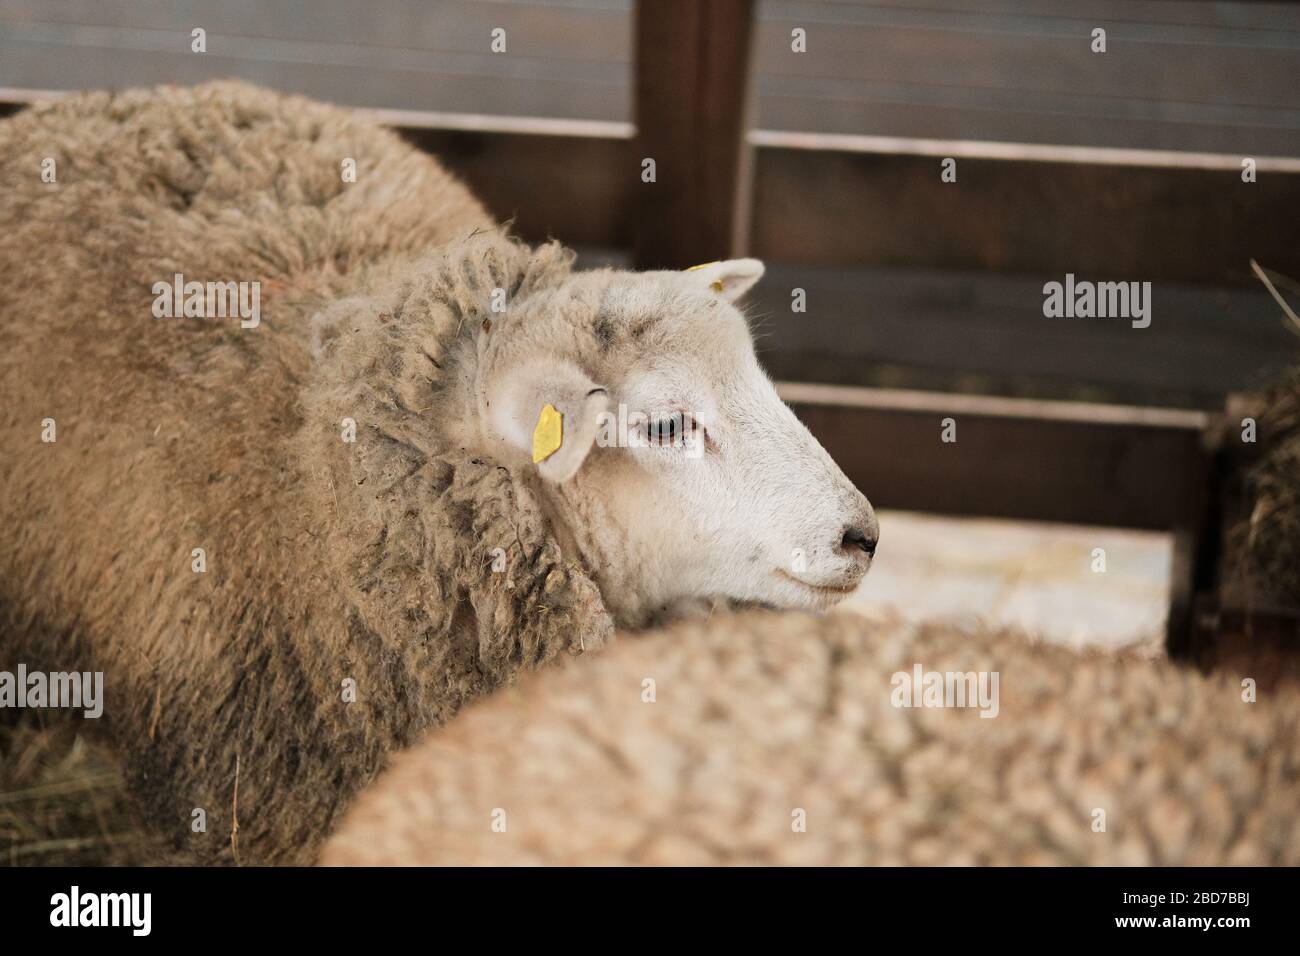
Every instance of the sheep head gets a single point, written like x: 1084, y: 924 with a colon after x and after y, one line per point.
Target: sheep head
x: 664, y: 453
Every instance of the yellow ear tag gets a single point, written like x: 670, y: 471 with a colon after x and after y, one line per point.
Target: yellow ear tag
x: 715, y: 285
x: 549, y: 433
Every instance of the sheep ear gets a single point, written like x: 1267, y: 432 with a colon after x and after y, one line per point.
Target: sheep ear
x: 730, y: 279
x: 552, y: 410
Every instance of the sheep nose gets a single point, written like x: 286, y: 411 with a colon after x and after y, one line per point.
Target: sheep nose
x: 857, y: 538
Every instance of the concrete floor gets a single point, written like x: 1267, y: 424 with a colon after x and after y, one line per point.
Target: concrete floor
x: 1038, y: 577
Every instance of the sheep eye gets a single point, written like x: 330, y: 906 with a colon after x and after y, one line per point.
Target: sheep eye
x: 665, y: 430
x: 672, y: 430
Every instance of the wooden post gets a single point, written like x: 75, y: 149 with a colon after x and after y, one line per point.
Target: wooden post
x: 1193, y: 584
x: 692, y: 114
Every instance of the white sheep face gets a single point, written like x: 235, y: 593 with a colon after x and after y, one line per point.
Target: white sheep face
x: 680, y: 474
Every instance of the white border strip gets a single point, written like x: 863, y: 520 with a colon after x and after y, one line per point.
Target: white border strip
x: 428, y: 119
x: 9, y: 94
x: 894, y: 399
x: 1033, y: 152
x: 487, y: 123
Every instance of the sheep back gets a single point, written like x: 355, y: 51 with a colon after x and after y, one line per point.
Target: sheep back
x: 762, y: 721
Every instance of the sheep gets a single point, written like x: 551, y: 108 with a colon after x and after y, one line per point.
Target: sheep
x: 790, y: 739
x: 304, y: 451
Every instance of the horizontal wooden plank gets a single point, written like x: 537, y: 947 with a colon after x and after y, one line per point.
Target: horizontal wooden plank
x: 1175, y: 77
x: 1017, y: 53
x: 976, y: 331
x: 1113, y: 468
x: 977, y: 116
x: 41, y: 55
x: 1139, y: 223
x: 456, y: 26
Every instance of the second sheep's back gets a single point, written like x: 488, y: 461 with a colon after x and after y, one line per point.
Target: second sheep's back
x: 778, y: 739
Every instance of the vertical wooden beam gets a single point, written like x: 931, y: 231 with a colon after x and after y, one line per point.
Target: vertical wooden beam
x: 1193, y: 584
x: 692, y: 114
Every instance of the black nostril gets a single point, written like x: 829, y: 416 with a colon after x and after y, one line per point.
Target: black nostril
x: 857, y: 538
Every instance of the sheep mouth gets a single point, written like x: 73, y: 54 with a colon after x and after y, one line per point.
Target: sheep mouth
x: 838, y: 590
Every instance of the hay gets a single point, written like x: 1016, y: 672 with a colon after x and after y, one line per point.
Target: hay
x: 1267, y: 538
x: 62, y: 798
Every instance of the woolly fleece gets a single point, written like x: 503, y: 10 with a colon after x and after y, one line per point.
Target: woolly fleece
x: 761, y: 715
x: 327, y: 561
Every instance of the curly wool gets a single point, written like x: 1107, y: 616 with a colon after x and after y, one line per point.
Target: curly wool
x: 330, y: 564
x: 759, y: 716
